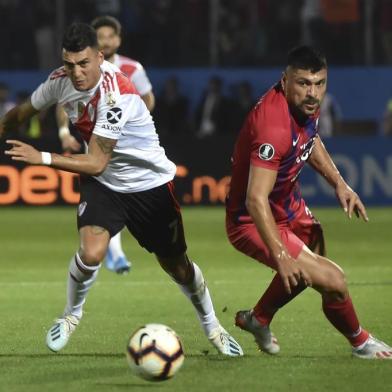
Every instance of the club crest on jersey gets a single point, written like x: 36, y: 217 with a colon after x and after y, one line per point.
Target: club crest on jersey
x: 114, y: 115
x: 81, y: 208
x: 266, y: 151
x: 110, y: 98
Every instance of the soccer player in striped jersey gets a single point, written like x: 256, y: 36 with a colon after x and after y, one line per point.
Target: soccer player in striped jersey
x: 108, y: 31
x: 267, y: 218
x: 126, y: 180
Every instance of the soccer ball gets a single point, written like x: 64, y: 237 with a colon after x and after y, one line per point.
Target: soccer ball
x: 154, y: 352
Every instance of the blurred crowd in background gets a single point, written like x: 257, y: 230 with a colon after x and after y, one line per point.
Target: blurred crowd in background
x: 203, y: 33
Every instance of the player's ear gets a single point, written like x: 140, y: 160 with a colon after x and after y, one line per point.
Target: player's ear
x: 100, y: 57
x: 283, y: 81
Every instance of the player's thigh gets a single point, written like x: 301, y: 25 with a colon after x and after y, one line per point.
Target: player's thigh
x: 245, y: 238
x: 154, y: 219
x: 100, y: 206
x: 326, y: 275
x: 100, y: 216
x: 309, y: 230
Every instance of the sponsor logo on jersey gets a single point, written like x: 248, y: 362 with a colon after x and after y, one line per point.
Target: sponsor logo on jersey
x: 82, y: 207
x: 295, y: 142
x: 305, y: 150
x: 114, y: 115
x: 266, y: 151
x: 113, y: 128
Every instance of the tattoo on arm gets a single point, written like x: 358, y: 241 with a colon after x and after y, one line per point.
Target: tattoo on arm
x: 106, y: 145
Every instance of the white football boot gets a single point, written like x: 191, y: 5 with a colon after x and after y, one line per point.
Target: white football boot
x: 373, y: 349
x: 264, y: 338
x: 59, y: 334
x: 225, y: 343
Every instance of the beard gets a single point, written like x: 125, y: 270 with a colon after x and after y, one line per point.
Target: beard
x: 108, y: 53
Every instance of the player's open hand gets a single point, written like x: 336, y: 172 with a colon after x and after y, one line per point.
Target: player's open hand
x: 291, y: 273
x: 350, y: 201
x: 23, y: 152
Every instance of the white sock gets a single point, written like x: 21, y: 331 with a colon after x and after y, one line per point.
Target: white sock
x: 115, y: 247
x: 200, y: 297
x: 79, y: 284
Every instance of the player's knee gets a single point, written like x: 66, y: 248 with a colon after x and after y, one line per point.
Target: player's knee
x: 336, y: 281
x: 92, y: 256
x: 178, y: 267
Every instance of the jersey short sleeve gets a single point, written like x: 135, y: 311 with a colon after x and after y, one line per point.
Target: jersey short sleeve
x: 140, y: 79
x: 48, y: 93
x: 269, y: 136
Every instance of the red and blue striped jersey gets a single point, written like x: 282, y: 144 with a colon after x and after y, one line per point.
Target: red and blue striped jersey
x: 273, y: 139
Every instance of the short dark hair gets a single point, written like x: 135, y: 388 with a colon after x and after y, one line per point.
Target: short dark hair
x: 306, y: 57
x: 107, y: 21
x: 79, y: 36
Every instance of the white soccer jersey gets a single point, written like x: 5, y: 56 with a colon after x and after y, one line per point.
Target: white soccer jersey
x: 135, y: 72
x: 114, y: 110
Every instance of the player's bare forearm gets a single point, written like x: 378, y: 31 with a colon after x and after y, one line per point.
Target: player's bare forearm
x: 16, y: 116
x: 77, y: 163
x: 260, y: 211
x: 260, y: 184
x: 321, y: 161
x: 93, y: 163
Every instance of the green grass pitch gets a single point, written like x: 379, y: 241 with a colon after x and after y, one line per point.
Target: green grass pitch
x: 37, y: 243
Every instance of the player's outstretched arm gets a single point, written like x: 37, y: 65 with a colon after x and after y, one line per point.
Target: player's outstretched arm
x: 322, y: 162
x: 16, y: 117
x: 68, y: 141
x: 93, y: 163
x: 260, y: 184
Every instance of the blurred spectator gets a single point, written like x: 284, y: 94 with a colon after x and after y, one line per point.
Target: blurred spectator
x: 234, y: 37
x: 387, y: 123
x: 313, y: 25
x: 171, y: 111
x: 212, y: 114
x: 44, y: 34
x: 243, y: 102
x: 284, y: 28
x: 330, y: 116
x: 108, y: 7
x: 385, y: 26
x: 161, y: 18
x: 178, y: 32
x: 344, y: 41
x: 5, y: 103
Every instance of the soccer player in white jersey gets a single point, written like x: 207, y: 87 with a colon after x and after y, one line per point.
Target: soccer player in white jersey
x: 108, y: 31
x: 126, y: 180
